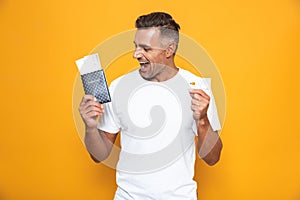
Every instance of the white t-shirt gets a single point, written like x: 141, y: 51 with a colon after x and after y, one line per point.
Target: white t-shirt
x: 157, y: 135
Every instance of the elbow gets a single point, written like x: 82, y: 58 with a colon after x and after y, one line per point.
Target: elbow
x: 95, y: 159
x: 214, y: 156
x: 98, y: 159
x: 212, y: 161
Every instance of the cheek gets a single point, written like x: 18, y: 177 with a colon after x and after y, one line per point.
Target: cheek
x: 156, y: 58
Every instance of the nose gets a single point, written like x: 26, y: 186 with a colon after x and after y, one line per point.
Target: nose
x: 137, y: 53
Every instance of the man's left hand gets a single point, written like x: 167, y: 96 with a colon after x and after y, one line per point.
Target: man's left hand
x: 200, y: 103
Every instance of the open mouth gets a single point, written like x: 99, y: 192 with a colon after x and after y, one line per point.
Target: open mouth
x: 143, y: 64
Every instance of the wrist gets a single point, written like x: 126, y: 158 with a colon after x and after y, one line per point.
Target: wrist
x: 202, y: 121
x: 202, y: 127
x: 89, y: 130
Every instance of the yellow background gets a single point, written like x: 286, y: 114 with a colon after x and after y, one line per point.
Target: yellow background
x: 255, y: 44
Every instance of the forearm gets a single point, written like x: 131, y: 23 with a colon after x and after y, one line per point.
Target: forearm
x: 97, y: 144
x: 209, y: 142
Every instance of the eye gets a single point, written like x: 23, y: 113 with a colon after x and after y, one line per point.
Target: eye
x: 146, y: 49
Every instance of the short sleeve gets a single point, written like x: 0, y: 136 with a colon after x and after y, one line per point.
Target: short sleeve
x: 108, y: 122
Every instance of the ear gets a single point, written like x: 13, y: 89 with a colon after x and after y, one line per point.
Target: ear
x: 171, y: 49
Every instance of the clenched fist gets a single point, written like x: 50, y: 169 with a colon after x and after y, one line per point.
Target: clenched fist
x: 200, y: 103
x: 90, y: 110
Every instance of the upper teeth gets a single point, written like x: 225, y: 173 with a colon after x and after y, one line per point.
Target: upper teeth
x: 142, y: 63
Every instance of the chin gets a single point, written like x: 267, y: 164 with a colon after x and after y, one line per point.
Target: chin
x: 144, y: 76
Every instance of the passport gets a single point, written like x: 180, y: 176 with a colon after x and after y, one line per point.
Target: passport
x: 93, y: 78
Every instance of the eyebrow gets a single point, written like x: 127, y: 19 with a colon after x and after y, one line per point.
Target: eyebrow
x: 142, y: 45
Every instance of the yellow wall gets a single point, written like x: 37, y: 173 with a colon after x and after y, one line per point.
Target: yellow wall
x: 255, y: 45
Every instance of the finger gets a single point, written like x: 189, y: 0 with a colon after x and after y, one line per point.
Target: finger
x: 200, y: 92
x: 91, y: 115
x: 86, y: 113
x: 91, y: 103
x: 92, y: 107
x: 194, y: 108
x: 199, y: 105
x: 198, y: 97
x: 196, y: 113
x: 203, y: 103
x: 195, y: 102
x: 200, y: 100
x: 195, y: 92
x: 84, y: 100
x: 199, y: 108
x: 87, y: 98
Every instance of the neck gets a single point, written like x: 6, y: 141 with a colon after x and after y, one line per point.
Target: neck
x: 168, y: 72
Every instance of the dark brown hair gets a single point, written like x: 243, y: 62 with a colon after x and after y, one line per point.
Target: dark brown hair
x: 163, y: 21
x: 157, y: 19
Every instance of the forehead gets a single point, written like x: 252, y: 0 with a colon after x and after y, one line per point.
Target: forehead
x: 147, y: 36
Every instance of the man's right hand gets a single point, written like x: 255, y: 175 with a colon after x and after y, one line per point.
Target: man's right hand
x: 90, y: 110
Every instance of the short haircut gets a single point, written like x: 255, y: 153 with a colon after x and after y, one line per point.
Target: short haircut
x: 163, y: 21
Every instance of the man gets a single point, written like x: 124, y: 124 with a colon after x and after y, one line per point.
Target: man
x: 153, y: 166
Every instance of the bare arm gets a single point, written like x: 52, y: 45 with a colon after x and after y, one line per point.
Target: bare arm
x: 97, y: 142
x: 209, y: 142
